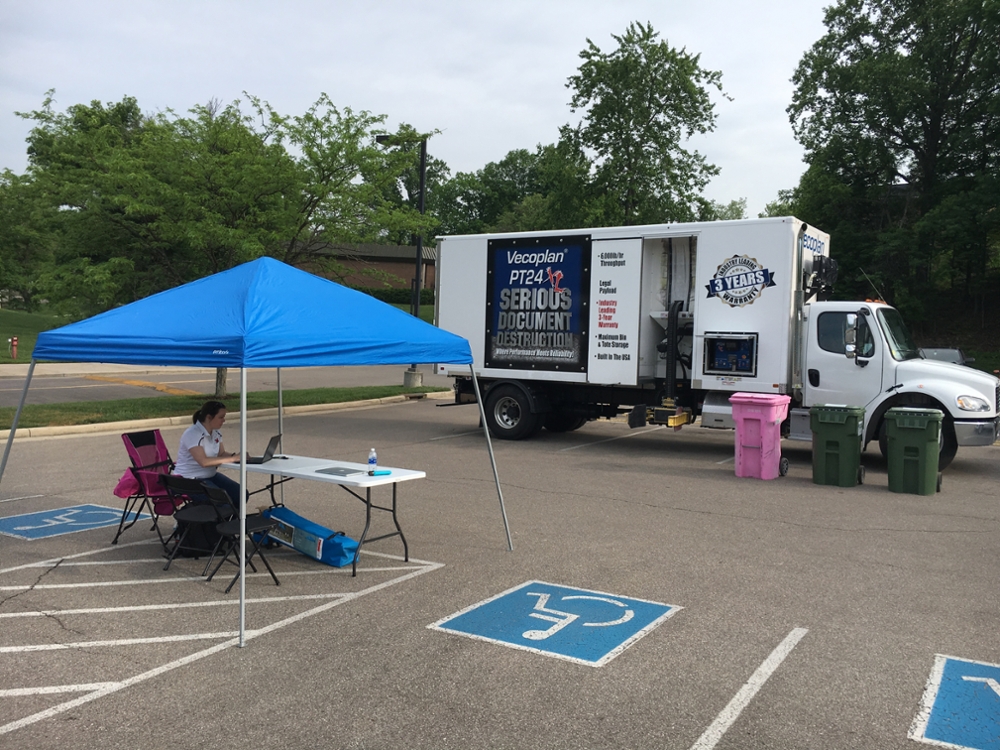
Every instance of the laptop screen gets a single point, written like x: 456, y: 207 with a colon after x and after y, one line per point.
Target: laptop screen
x: 272, y: 446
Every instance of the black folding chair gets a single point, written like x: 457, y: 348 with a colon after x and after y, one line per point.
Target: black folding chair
x: 258, y: 529
x: 199, y: 511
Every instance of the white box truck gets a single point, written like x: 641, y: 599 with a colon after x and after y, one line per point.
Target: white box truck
x: 665, y: 322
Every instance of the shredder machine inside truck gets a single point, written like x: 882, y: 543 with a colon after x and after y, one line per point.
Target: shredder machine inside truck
x: 665, y: 322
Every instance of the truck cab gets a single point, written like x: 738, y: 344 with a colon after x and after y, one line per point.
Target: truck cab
x: 862, y: 354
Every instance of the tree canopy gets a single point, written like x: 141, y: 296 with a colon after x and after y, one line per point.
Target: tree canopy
x: 640, y: 102
x: 127, y: 204
x: 898, y: 108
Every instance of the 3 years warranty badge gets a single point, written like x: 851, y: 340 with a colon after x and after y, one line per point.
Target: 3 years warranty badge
x: 739, y: 281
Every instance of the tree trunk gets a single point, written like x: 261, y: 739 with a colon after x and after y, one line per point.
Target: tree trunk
x: 220, y: 382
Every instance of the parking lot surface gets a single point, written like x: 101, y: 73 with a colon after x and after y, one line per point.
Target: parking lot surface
x: 723, y: 612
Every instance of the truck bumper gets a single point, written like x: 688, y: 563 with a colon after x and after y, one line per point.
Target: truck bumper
x: 977, y: 433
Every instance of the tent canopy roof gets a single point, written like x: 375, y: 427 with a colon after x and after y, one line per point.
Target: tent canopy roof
x: 260, y: 314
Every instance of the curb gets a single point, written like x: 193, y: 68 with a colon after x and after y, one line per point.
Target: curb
x: 145, y: 424
x: 76, y: 370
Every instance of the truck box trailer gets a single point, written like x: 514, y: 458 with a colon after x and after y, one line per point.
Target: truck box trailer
x: 665, y: 322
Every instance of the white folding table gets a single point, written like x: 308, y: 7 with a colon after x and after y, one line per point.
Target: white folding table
x: 283, y: 468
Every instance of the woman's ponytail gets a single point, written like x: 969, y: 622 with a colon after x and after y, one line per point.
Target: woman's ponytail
x: 207, y: 410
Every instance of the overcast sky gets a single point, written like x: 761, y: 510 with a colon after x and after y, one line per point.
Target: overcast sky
x: 489, y: 75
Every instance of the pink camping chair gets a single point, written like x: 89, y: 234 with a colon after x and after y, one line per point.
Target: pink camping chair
x: 150, y: 459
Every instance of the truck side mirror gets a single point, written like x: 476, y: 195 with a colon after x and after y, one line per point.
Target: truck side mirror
x: 851, y: 336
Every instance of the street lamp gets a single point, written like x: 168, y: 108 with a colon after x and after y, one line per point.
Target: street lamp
x: 413, y: 377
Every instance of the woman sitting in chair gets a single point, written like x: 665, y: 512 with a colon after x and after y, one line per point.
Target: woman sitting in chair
x: 201, y: 450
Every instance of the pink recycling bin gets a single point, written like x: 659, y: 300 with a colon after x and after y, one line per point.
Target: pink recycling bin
x: 758, y: 418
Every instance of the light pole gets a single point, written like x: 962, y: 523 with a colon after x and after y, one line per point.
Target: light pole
x: 413, y: 378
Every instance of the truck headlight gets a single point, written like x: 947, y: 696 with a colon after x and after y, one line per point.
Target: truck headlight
x: 972, y: 403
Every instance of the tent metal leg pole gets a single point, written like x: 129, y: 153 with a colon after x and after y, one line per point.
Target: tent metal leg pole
x: 17, y: 416
x: 243, y: 506
x: 281, y: 431
x: 493, y: 461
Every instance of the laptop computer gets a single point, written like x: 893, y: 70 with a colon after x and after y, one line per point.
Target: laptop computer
x: 272, y: 446
x: 340, y: 471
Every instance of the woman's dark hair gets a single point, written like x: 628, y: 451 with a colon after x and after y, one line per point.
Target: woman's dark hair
x: 208, y: 409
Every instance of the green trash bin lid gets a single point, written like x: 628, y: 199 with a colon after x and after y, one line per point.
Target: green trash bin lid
x: 913, y: 417
x: 835, y: 413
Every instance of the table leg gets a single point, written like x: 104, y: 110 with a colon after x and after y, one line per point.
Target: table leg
x: 368, y: 523
x: 406, y: 548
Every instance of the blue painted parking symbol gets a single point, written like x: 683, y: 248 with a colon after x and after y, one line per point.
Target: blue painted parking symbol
x: 961, y: 705
x: 586, y: 627
x: 59, y: 521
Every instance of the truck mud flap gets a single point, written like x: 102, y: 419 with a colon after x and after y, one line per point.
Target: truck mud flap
x: 637, y: 417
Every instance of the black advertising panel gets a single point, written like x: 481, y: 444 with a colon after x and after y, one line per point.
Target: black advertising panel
x: 537, y: 306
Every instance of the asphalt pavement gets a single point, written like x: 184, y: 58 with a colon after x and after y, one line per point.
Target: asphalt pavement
x: 793, y: 615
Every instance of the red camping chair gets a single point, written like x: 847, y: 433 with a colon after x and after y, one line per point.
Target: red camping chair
x: 150, y: 458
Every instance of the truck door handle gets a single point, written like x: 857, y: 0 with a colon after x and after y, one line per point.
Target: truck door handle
x: 814, y: 378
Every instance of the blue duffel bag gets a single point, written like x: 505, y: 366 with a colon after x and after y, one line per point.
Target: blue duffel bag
x: 312, y: 540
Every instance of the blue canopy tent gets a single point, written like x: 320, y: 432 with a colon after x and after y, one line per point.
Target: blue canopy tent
x: 260, y: 314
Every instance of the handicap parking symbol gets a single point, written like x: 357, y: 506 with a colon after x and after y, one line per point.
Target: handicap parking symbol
x: 58, y: 521
x: 960, y: 706
x: 586, y: 627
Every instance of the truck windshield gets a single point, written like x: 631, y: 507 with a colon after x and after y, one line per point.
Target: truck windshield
x: 901, y: 346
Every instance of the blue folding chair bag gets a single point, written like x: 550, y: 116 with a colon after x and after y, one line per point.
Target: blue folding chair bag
x: 312, y: 540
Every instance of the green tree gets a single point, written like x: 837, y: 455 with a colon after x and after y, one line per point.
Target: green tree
x: 549, y: 188
x: 735, y: 209
x: 143, y: 203
x: 783, y: 205
x: 474, y: 202
x: 640, y: 103
x: 165, y: 199
x: 402, y: 191
x: 899, y: 111
x: 26, y: 239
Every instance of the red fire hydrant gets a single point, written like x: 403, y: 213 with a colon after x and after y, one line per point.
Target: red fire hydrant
x: 13, y: 347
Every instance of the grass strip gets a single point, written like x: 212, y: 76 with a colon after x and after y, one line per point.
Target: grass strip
x: 97, y: 412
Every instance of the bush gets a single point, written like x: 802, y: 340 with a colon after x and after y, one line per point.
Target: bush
x: 397, y: 296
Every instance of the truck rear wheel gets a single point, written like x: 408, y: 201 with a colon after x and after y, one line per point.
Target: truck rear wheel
x: 508, y: 414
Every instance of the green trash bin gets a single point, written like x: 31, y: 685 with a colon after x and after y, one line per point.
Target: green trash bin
x: 836, y: 444
x: 913, y: 446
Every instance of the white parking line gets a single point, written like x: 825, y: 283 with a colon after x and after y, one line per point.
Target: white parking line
x: 156, y: 607
x: 52, y: 562
x: 608, y: 440
x: 55, y: 689
x: 187, y: 579
x: 456, y: 435
x: 117, y: 642
x: 229, y: 639
x: 23, y: 497
x: 711, y: 736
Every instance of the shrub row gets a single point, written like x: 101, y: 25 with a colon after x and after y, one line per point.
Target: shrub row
x: 397, y: 296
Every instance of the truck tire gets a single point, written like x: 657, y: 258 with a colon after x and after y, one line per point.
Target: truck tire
x: 508, y: 414
x: 560, y: 421
x: 948, y: 442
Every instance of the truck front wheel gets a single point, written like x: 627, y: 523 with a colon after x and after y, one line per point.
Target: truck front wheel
x: 508, y: 413
x: 948, y: 442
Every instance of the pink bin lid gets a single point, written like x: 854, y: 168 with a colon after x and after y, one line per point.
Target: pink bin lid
x: 760, y: 399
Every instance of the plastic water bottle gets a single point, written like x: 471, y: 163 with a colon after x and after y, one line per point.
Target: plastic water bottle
x: 372, y: 461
